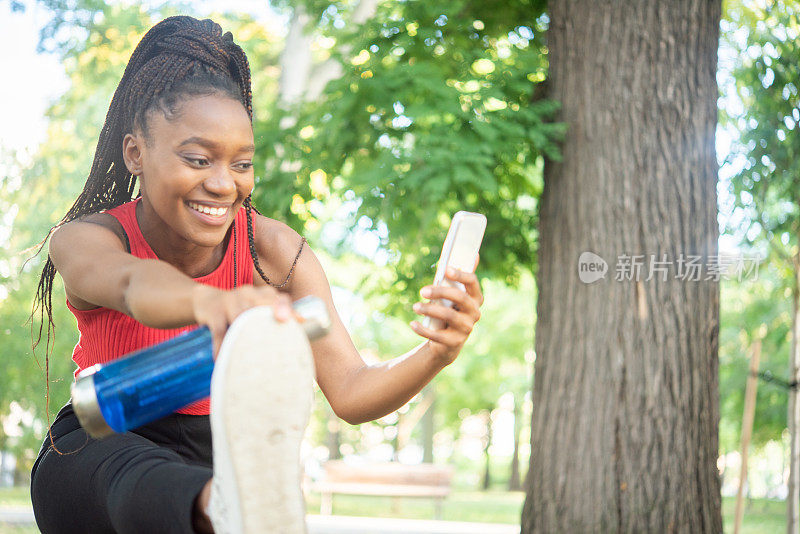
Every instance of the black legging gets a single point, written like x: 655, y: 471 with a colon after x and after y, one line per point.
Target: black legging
x: 145, y: 480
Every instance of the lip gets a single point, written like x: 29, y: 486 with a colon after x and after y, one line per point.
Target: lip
x: 210, y: 219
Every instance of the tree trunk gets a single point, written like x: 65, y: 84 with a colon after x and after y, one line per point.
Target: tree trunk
x: 624, y: 435
x: 397, y: 443
x: 2, y: 451
x: 332, y: 69
x: 751, y: 389
x: 487, y: 473
x: 793, y: 485
x: 300, y: 80
x: 428, y: 424
x: 514, y: 482
x: 295, y: 59
x: 334, y: 440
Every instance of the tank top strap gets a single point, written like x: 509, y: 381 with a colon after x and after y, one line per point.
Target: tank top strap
x: 244, y: 261
x: 126, y: 215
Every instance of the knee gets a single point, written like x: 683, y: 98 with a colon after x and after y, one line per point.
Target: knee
x: 141, y: 486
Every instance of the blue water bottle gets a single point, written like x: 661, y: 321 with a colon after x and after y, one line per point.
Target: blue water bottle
x: 148, y: 384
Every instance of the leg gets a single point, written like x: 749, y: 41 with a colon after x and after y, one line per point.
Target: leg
x: 261, y: 398
x: 123, y: 483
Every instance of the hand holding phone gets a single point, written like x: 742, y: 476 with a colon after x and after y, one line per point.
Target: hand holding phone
x: 460, y: 251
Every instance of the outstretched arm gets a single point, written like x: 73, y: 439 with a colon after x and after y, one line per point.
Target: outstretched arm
x: 358, y: 392
x: 98, y: 271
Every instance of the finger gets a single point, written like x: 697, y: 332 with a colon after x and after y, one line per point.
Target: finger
x: 283, y: 308
x: 459, y: 297
x: 470, y: 281
x: 218, y: 330
x: 234, y: 306
x: 280, y: 302
x: 454, y: 319
x: 444, y: 336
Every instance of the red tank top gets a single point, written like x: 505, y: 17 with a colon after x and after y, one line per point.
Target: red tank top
x: 107, y: 334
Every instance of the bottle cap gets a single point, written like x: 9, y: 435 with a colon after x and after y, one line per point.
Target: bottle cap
x: 313, y: 316
x: 86, y: 407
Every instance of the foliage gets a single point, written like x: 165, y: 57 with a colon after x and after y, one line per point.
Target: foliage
x: 435, y: 113
x: 750, y: 309
x: 767, y: 189
x: 760, y: 109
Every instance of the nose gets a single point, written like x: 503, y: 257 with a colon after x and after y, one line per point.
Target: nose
x: 221, y: 183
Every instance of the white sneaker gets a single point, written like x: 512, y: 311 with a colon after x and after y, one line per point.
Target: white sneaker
x: 261, y: 399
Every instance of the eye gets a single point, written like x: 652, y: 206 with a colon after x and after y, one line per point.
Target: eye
x: 200, y: 162
x: 245, y: 165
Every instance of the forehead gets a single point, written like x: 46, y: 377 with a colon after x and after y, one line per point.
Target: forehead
x: 214, y: 117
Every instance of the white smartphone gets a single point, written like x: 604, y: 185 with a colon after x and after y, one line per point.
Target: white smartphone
x: 460, y: 250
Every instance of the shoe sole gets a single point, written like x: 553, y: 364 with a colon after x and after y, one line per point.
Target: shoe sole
x: 261, y: 400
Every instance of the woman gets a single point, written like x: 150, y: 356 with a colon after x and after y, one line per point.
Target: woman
x: 191, y: 250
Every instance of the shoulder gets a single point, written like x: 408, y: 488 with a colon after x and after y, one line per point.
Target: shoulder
x: 100, y: 224
x: 280, y: 250
x: 274, y: 238
x: 284, y: 251
x: 78, y: 246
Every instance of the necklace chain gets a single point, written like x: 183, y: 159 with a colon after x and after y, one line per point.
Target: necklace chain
x: 235, y: 278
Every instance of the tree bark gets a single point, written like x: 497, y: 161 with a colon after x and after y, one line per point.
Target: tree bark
x: 626, y: 410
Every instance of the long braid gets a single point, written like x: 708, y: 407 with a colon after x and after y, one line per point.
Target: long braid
x: 178, y: 57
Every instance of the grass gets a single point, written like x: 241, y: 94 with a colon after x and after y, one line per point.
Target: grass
x: 13, y: 529
x: 17, y: 496
x: 762, y: 516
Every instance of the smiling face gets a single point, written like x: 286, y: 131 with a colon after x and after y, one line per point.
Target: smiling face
x: 195, y: 171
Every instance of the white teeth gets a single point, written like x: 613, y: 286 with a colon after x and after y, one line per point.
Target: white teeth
x: 214, y: 212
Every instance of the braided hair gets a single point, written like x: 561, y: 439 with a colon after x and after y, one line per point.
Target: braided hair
x: 178, y: 57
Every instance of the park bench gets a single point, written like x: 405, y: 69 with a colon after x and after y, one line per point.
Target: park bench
x: 388, y: 479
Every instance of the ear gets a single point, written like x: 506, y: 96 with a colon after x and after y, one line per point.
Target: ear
x: 132, y: 153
